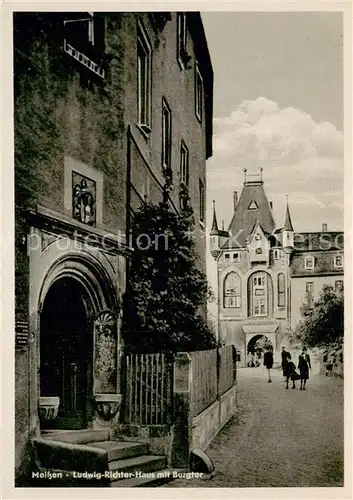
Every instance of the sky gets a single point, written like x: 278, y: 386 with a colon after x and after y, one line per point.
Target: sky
x: 278, y: 104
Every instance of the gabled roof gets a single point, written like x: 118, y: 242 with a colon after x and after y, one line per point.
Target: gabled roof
x: 245, y: 217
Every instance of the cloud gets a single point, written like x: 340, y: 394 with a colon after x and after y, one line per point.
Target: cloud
x: 300, y: 157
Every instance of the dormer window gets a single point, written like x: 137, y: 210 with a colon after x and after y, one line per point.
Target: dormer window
x: 253, y: 206
x: 309, y: 262
x: 338, y: 262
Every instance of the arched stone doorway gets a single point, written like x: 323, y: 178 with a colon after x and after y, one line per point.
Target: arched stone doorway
x: 255, y: 348
x: 76, y: 303
x: 66, y: 352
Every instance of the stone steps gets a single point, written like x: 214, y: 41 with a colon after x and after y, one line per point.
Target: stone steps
x: 138, y: 464
x: 81, y: 456
x: 119, y: 450
x: 84, y: 436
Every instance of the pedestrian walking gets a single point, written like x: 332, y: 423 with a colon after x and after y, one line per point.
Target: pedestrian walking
x: 291, y: 374
x: 268, y: 362
x: 286, y: 358
x: 304, y: 364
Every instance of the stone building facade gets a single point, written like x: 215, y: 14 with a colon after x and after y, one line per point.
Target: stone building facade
x: 265, y: 273
x: 104, y: 103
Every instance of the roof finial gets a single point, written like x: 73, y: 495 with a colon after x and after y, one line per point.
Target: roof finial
x: 222, y: 224
x: 244, y: 170
x: 261, y: 170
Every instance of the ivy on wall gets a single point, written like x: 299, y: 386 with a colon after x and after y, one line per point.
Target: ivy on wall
x: 60, y: 108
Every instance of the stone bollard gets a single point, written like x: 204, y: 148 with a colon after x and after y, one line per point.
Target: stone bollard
x: 181, y: 432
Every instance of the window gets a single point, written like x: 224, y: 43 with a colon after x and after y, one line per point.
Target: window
x: 84, y: 41
x: 277, y: 254
x: 253, y: 205
x: 260, y: 294
x: 143, y: 81
x: 338, y: 261
x: 202, y: 201
x: 338, y: 286
x: 182, y: 55
x: 232, y: 291
x: 166, y: 135
x: 281, y: 290
x: 309, y: 287
x: 309, y: 262
x: 227, y: 256
x: 236, y: 257
x: 184, y: 164
x: 198, y: 94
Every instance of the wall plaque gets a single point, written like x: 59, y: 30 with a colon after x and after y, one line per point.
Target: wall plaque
x: 83, y: 199
x: 21, y: 331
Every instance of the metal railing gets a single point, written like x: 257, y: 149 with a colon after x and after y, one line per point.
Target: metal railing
x: 149, y: 389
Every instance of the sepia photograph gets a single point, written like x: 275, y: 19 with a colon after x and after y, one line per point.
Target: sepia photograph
x: 179, y: 255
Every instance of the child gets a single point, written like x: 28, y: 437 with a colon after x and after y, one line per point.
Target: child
x: 290, y: 374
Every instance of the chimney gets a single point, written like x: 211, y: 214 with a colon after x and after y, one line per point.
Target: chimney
x: 235, y: 199
x: 271, y: 205
x: 324, y: 228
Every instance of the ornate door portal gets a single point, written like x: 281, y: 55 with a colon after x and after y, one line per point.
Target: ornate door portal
x: 66, y: 349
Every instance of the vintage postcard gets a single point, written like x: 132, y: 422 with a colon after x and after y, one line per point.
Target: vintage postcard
x: 178, y: 185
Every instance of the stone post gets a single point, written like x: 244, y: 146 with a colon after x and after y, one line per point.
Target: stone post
x: 181, y: 432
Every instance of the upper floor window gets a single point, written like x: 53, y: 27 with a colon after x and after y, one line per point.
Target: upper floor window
x: 338, y: 261
x: 227, y: 256
x: 198, y: 94
x: 166, y: 135
x: 202, y: 201
x: 232, y: 291
x: 182, y: 37
x: 260, y: 294
x: 276, y: 254
x: 84, y: 41
x: 184, y: 164
x: 338, y: 286
x: 309, y: 262
x: 281, y: 290
x: 309, y: 287
x: 236, y: 257
x: 144, y: 76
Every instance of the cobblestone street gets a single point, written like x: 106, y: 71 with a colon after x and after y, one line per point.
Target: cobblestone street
x: 279, y: 438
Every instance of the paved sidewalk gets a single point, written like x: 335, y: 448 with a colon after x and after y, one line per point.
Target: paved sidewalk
x: 279, y: 437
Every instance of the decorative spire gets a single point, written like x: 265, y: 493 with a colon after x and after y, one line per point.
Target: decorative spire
x: 288, y: 222
x: 214, y: 229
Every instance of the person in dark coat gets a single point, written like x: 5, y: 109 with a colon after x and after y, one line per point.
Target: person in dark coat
x: 291, y: 374
x: 268, y: 362
x: 304, y: 364
x: 286, y: 357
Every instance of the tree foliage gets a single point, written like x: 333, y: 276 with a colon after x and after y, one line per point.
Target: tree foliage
x: 167, y: 292
x: 322, y: 320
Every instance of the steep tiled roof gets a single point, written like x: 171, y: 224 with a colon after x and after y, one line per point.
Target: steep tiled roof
x: 245, y: 216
